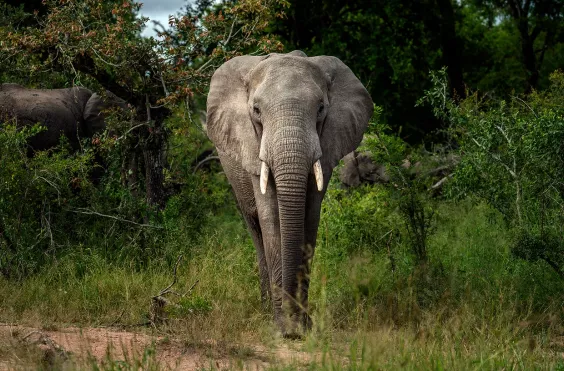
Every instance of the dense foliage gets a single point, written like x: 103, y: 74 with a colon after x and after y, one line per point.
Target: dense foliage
x: 498, y: 47
x: 513, y: 159
x: 463, y: 242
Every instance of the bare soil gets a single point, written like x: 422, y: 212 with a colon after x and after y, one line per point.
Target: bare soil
x: 21, y: 346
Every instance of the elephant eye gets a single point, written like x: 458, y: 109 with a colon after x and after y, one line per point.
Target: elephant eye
x: 256, y: 110
x: 320, y: 110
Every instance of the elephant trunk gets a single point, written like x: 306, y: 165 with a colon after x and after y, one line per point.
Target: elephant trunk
x: 293, y: 160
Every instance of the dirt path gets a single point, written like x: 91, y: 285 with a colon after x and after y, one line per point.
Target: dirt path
x: 24, y: 346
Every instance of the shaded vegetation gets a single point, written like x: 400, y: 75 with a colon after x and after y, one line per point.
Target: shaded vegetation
x: 407, y: 274
x: 498, y: 47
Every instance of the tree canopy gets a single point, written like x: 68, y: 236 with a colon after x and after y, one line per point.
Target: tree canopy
x: 498, y: 47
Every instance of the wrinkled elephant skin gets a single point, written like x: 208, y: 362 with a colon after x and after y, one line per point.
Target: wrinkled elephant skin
x: 280, y: 124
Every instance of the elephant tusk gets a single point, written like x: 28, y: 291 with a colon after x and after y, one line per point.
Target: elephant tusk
x: 263, y: 177
x: 318, y: 175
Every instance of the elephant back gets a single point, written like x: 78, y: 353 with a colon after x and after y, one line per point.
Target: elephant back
x: 59, y: 110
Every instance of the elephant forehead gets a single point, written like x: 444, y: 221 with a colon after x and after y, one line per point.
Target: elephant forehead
x: 288, y: 68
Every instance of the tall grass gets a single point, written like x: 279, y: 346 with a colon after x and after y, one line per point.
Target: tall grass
x: 474, y: 306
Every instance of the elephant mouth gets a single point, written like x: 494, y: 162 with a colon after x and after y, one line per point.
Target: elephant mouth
x: 265, y: 171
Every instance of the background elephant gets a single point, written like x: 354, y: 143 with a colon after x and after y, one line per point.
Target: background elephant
x: 359, y: 168
x: 72, y: 112
x: 281, y: 123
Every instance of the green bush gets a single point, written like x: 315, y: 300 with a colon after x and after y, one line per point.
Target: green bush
x: 368, y: 266
x: 408, y: 184
x: 51, y: 207
x: 357, y: 219
x: 37, y: 194
x: 512, y: 157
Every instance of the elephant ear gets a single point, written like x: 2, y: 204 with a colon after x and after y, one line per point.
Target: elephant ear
x: 350, y: 109
x: 228, y: 123
x: 93, y: 115
x: 93, y: 111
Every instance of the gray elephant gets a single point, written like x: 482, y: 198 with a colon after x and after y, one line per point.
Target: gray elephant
x: 359, y: 168
x: 280, y: 124
x: 73, y: 112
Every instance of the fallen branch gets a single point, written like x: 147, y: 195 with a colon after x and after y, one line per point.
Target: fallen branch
x: 167, y: 289
x: 92, y: 212
x: 440, y: 183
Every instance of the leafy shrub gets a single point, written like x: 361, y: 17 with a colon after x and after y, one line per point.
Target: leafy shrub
x: 373, y: 240
x: 357, y: 219
x: 408, y: 187
x: 513, y: 158
x: 50, y: 207
x: 547, y: 248
x: 35, y: 197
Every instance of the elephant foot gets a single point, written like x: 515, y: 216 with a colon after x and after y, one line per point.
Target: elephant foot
x: 296, y: 328
x: 307, y: 323
x: 293, y: 336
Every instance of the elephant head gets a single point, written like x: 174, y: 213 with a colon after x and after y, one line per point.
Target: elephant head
x: 359, y: 168
x: 93, y: 113
x: 286, y: 120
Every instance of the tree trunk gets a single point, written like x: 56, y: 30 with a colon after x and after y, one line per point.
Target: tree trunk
x: 520, y: 13
x: 529, y: 58
x: 154, y: 156
x: 451, y: 49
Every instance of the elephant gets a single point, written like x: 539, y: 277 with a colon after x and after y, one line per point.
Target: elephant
x: 73, y: 112
x: 359, y: 168
x: 280, y: 124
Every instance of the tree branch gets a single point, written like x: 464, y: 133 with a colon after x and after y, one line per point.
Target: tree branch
x: 207, y: 159
x: 526, y: 7
x: 164, y: 86
x: 86, y: 64
x: 130, y: 130
x: 497, y: 158
x: 230, y: 32
x: 103, y: 60
x: 167, y: 289
x: 514, y: 8
x: 92, y: 212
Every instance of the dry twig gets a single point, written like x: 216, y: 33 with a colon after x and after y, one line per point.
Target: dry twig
x: 92, y: 212
x: 159, y: 302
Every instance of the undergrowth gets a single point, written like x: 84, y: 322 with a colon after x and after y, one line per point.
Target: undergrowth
x: 474, y: 306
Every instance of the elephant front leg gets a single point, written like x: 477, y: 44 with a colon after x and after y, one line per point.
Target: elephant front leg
x: 311, y: 225
x: 256, y: 234
x: 267, y: 209
x: 242, y: 185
